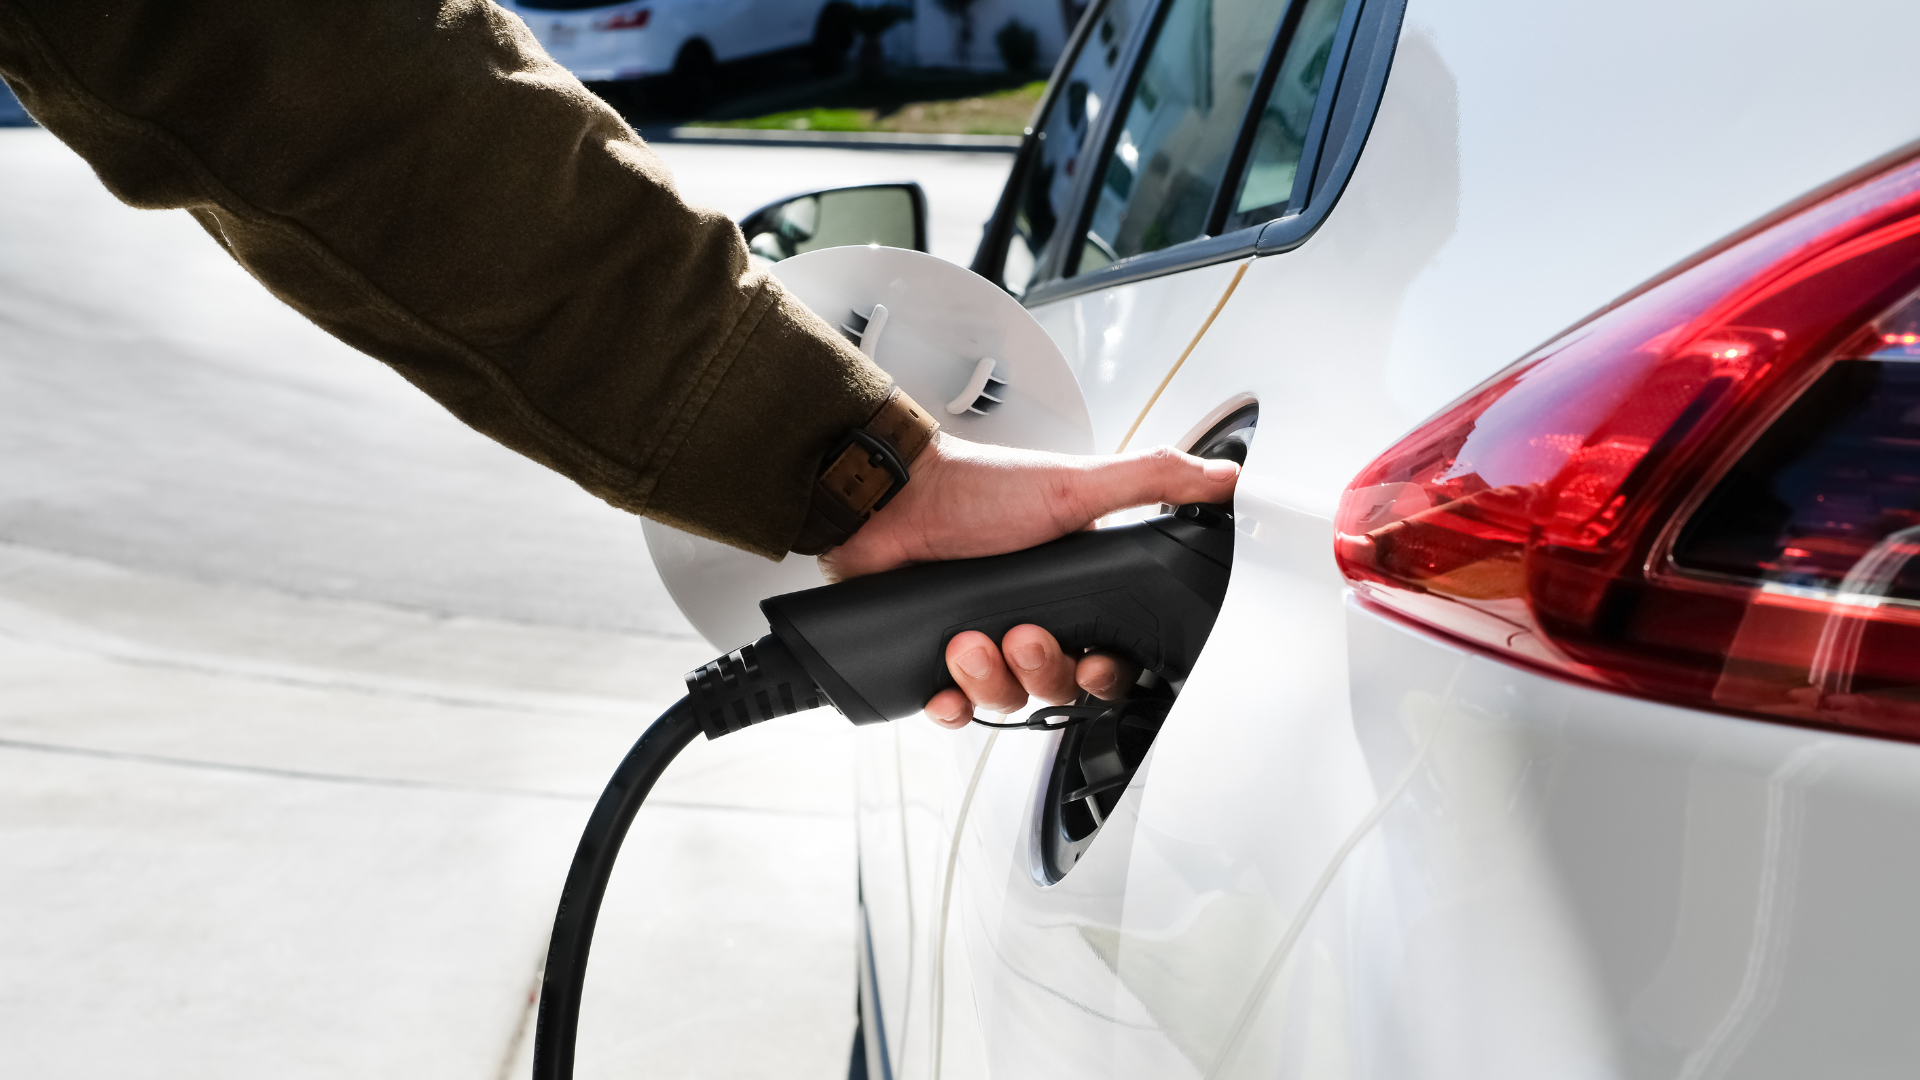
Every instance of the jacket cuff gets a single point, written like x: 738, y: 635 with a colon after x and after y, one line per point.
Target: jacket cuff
x: 744, y: 471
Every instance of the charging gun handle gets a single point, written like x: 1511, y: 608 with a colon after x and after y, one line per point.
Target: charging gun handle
x: 875, y: 646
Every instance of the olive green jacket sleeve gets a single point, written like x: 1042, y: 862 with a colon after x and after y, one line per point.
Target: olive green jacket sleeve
x: 420, y: 180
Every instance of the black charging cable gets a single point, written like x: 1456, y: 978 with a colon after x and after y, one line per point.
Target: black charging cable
x: 750, y: 685
x: 753, y: 684
x: 558, y: 1026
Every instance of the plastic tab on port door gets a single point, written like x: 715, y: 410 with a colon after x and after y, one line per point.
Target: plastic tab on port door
x: 928, y: 323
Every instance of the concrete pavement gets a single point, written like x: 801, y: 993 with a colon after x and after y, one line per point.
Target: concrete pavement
x: 305, y: 692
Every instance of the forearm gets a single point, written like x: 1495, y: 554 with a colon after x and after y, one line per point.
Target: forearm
x: 417, y: 178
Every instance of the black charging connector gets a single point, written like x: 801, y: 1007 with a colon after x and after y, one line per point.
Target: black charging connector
x: 876, y: 646
x: 873, y: 648
x: 750, y: 685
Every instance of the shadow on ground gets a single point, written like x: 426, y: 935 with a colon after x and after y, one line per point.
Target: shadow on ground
x: 748, y: 91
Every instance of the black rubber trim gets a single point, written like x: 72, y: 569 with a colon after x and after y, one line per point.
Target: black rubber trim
x: 1369, y: 61
x: 1064, y: 262
x: 990, y: 258
x: 1188, y: 256
x: 1084, y: 184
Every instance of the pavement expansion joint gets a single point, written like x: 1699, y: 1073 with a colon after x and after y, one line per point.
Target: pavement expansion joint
x: 27, y: 746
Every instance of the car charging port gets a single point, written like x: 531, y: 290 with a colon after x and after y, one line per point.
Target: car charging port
x: 1092, y: 767
x: 1097, y: 756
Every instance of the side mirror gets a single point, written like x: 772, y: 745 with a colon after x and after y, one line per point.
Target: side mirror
x: 884, y: 215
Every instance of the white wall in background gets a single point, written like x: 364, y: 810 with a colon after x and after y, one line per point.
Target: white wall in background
x: 934, y: 35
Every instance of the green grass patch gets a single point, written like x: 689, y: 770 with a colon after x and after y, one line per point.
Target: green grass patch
x: 1003, y: 112
x: 804, y: 120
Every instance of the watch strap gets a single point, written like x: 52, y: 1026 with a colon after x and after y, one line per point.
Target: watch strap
x: 864, y: 471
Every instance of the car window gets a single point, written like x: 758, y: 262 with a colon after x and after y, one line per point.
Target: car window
x: 1188, y: 105
x: 1063, y: 134
x: 1280, y: 133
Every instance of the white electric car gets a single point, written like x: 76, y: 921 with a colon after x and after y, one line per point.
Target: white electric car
x: 684, y: 39
x: 1560, y: 718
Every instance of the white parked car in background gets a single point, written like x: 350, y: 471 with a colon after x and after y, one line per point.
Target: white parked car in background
x: 685, y: 40
x: 1560, y: 717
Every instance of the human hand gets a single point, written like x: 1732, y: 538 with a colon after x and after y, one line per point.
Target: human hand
x: 970, y: 499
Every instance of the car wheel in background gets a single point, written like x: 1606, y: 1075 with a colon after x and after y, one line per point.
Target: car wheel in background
x: 832, y: 39
x: 694, y: 81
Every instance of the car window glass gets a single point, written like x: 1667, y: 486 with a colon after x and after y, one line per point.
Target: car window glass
x: 1280, y: 135
x: 1063, y: 134
x: 1158, y: 183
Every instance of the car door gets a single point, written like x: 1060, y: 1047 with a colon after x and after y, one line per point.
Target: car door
x: 1172, y: 142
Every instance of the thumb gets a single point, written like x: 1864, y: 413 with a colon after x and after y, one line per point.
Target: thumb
x: 1159, y: 475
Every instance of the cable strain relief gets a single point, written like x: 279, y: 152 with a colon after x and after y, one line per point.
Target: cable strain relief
x: 750, y: 685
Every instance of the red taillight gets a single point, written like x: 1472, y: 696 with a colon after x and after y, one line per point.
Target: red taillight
x: 1709, y: 495
x: 626, y: 20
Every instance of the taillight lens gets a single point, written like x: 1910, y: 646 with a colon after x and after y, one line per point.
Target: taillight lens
x: 1709, y: 495
x: 625, y: 20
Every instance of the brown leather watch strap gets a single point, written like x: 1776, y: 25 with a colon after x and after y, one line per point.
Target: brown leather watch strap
x: 864, y: 472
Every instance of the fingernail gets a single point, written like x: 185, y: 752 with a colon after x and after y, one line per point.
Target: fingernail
x: 1099, y: 687
x: 1218, y: 470
x: 1028, y: 657
x: 976, y: 663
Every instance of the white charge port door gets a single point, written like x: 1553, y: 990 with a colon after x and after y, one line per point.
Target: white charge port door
x: 953, y: 341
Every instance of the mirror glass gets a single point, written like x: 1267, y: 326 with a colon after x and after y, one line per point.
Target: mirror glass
x: 887, y: 215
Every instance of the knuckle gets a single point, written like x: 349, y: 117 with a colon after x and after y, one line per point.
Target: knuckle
x: 1166, y: 457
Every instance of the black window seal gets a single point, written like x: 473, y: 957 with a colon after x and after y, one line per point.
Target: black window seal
x: 1086, y: 185
x: 1221, y: 215
x: 1328, y: 178
x: 1190, y: 255
x: 1317, y: 125
x: 1331, y: 174
x: 990, y: 258
x: 1086, y: 193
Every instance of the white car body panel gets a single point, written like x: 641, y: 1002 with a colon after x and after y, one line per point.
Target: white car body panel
x: 733, y: 29
x: 1357, y: 850
x: 1105, y: 334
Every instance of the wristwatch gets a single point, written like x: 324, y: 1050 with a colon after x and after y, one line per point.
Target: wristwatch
x: 864, y: 472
